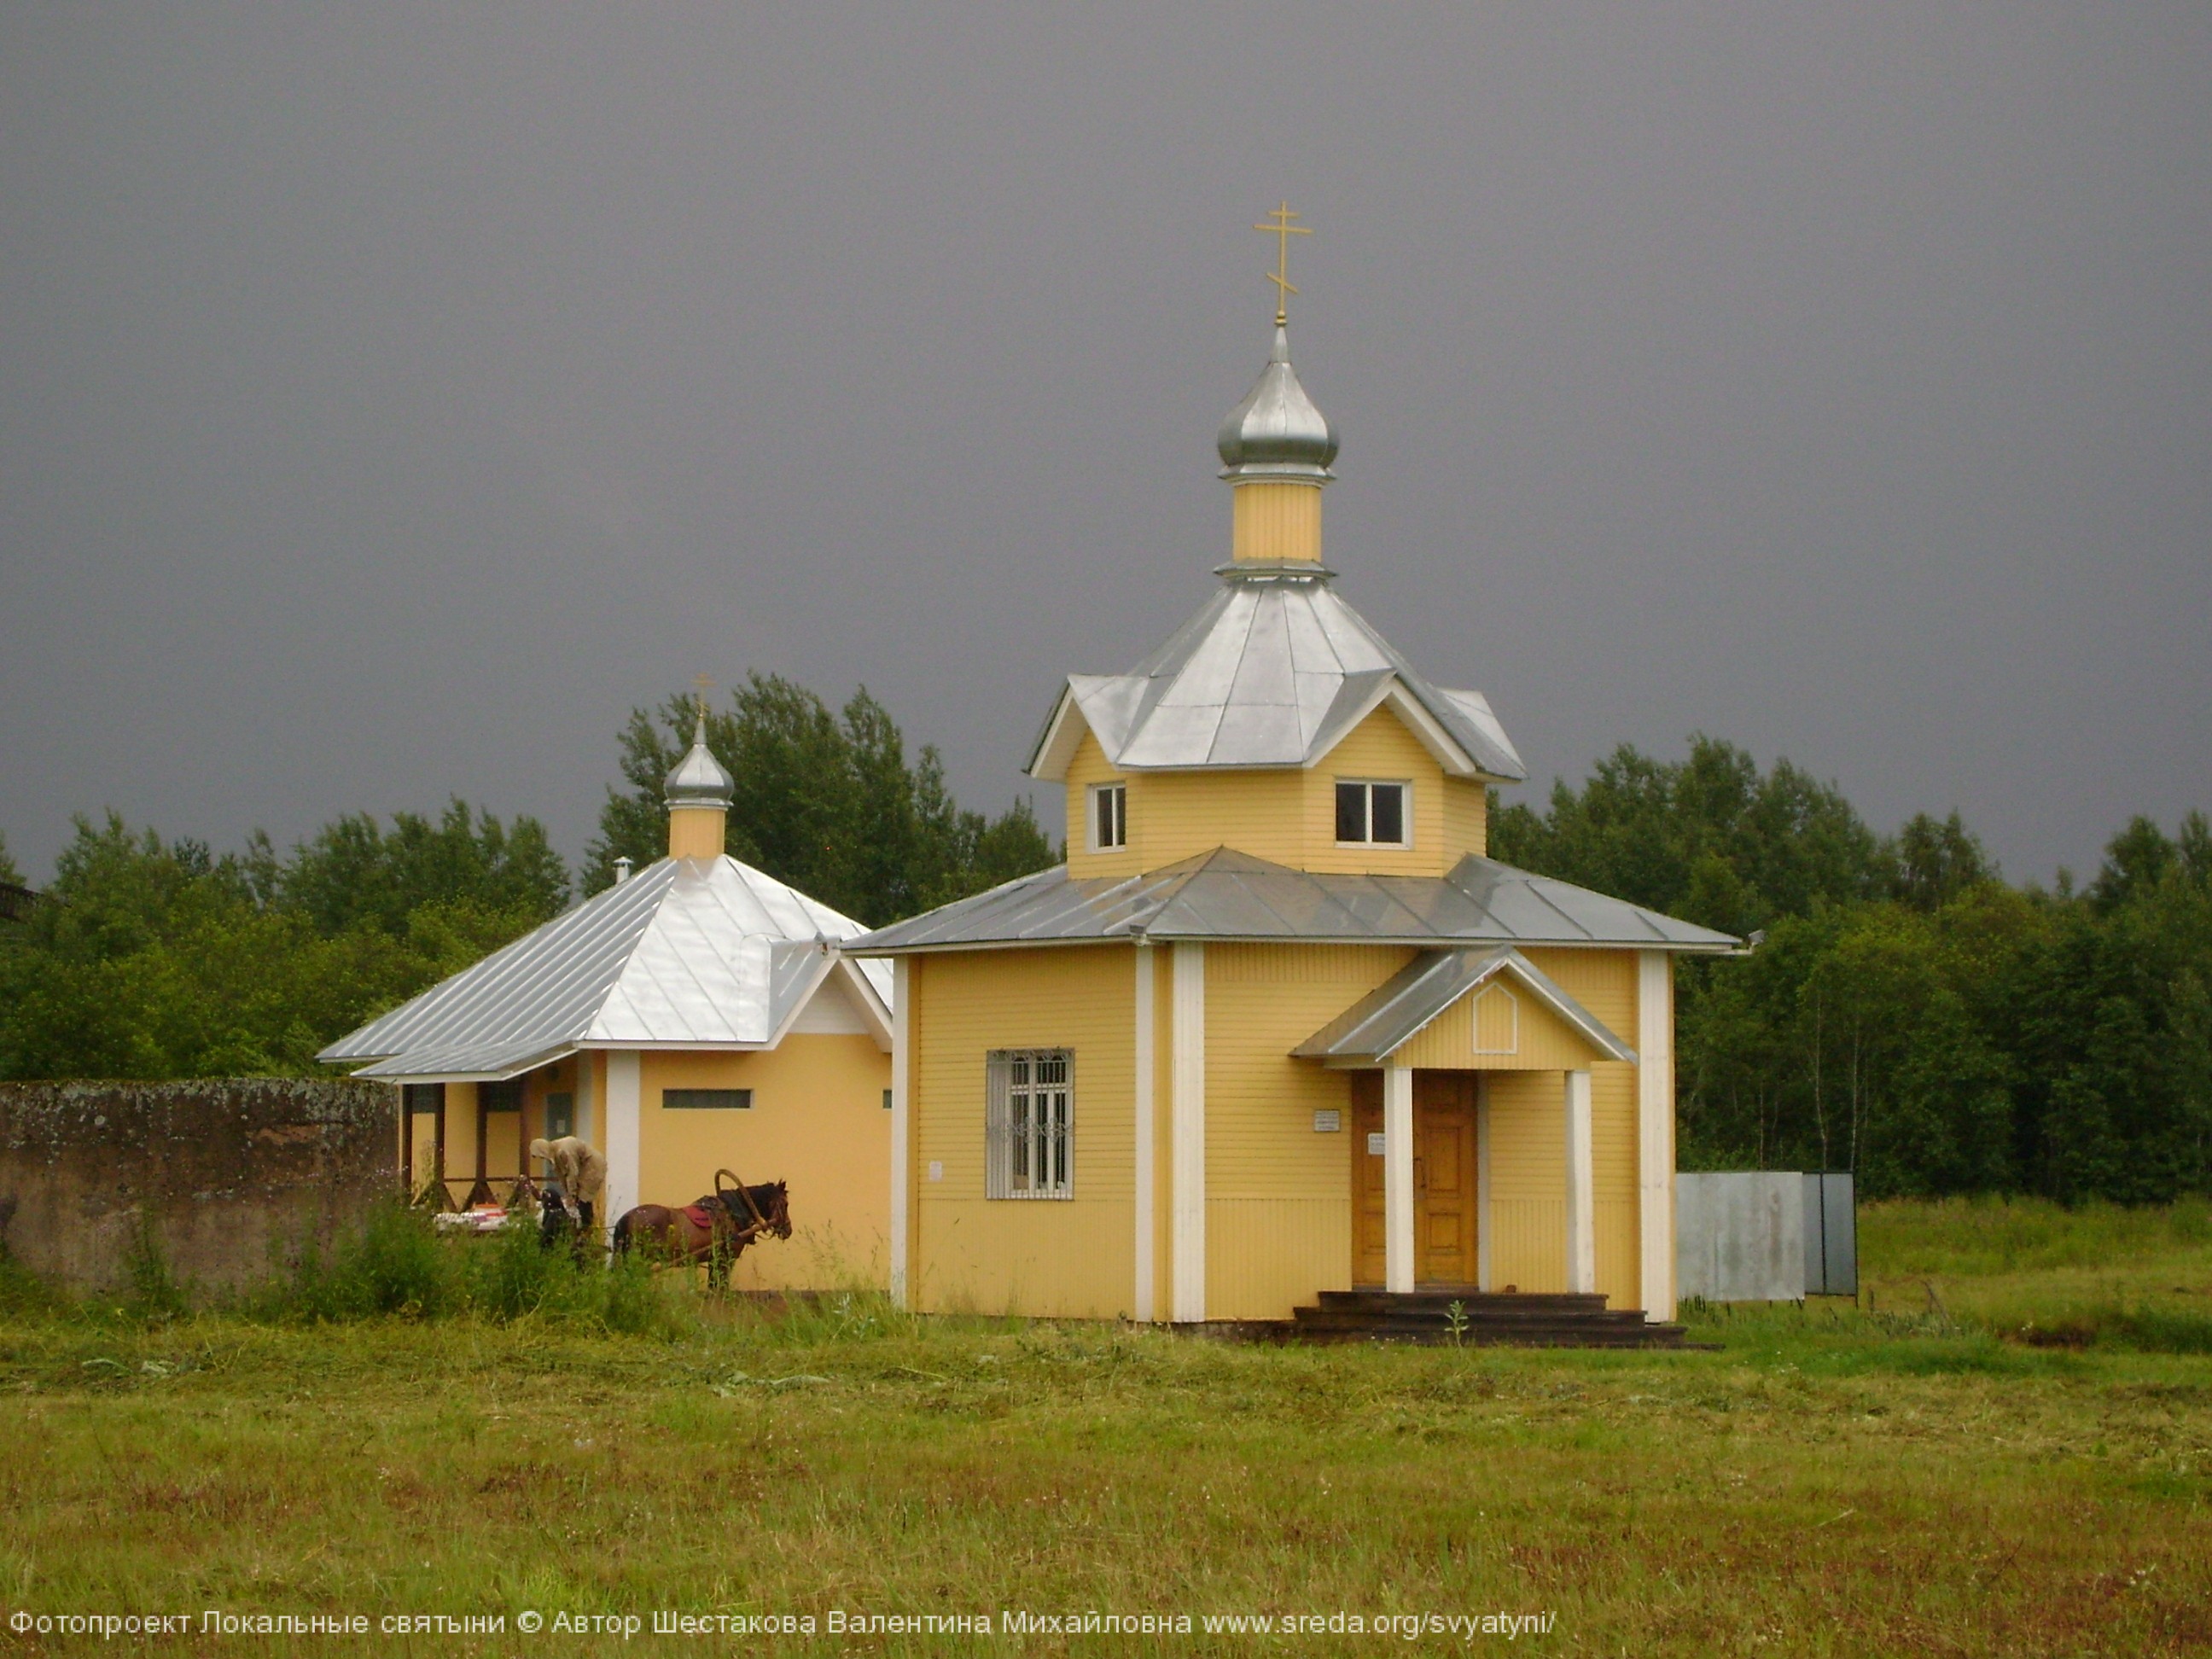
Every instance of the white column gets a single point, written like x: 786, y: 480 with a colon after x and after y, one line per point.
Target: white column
x: 1398, y: 1177
x: 586, y: 1096
x: 625, y: 1089
x: 1655, y: 1130
x: 1582, y: 1187
x: 1482, y: 1258
x: 1187, y: 1129
x: 902, y: 1119
x: 1141, y: 1301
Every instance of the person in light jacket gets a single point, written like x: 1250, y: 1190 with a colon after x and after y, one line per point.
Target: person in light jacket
x: 580, y: 1168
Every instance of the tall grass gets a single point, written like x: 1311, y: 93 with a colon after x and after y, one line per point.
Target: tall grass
x: 397, y: 1265
x: 1983, y: 1237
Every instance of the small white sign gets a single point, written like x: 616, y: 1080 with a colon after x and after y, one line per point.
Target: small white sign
x: 1327, y: 1123
x: 936, y: 1169
x: 1374, y: 1144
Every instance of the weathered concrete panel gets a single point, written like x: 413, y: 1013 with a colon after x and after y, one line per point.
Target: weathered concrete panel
x: 1739, y: 1237
x: 229, y: 1173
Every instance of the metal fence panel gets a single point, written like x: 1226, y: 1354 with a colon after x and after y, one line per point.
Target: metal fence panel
x: 1831, y: 1235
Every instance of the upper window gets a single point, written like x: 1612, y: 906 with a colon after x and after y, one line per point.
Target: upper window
x: 1110, y: 816
x: 1372, y: 813
x: 1030, y: 1123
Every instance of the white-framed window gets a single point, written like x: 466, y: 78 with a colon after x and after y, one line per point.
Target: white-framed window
x: 1030, y: 1123
x: 1374, y: 812
x: 1110, y: 816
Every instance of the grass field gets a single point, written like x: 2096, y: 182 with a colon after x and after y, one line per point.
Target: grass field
x: 1910, y: 1479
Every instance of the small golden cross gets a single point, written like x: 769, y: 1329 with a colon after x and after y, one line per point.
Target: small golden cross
x: 1282, y: 230
x: 705, y: 683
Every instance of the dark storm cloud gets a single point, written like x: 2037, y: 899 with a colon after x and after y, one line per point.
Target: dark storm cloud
x: 391, y: 398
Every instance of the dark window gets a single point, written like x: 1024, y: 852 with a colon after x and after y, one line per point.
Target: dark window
x: 887, y: 1100
x: 1352, y: 812
x: 1109, y: 816
x: 500, y: 1097
x: 427, y: 1098
x: 1386, y: 812
x: 1372, y: 812
x: 706, y: 1100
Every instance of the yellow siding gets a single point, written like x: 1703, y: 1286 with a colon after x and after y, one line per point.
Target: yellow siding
x: 1604, y: 981
x: 1379, y: 748
x: 1279, y: 1209
x: 460, y: 1135
x: 1071, y: 1258
x: 1546, y: 1042
x: 1285, y: 815
x: 817, y: 1121
x: 1275, y: 523
x: 1527, y: 1181
x: 1186, y: 813
x: 1466, y: 819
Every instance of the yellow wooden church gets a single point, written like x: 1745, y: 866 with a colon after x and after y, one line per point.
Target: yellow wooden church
x: 1278, y: 1027
x: 697, y: 1016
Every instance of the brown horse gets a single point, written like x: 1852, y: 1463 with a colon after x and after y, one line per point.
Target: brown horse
x: 715, y: 1230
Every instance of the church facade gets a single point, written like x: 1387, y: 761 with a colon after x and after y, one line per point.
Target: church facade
x: 699, y: 1015
x: 1278, y: 1026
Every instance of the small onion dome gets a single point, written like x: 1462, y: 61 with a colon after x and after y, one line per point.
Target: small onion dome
x: 699, y: 779
x: 1277, y: 433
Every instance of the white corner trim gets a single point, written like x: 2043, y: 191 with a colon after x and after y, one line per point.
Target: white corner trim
x: 1582, y: 1187
x: 1398, y: 1178
x: 1145, y: 1152
x: 625, y: 1107
x: 1655, y: 1132
x: 902, y: 1120
x: 1187, y: 1116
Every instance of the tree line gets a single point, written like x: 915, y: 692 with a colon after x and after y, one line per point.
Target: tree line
x: 1905, y: 1014
x: 150, y: 957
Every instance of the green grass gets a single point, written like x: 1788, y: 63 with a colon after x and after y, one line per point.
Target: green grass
x: 1830, y: 1480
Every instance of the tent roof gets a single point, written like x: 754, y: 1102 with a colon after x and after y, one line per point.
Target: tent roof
x: 687, y: 953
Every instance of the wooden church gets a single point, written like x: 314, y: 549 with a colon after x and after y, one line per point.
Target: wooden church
x: 1278, y: 1028
x: 697, y: 1016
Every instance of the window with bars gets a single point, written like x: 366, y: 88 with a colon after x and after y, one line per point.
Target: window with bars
x: 1372, y: 813
x: 1030, y: 1123
x: 1110, y: 816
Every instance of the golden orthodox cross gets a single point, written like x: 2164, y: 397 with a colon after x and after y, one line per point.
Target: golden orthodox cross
x: 1282, y: 230
x: 705, y: 683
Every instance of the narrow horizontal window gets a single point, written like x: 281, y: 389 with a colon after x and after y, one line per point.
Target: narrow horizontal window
x: 1372, y: 814
x: 500, y: 1097
x: 1110, y: 816
x: 706, y: 1100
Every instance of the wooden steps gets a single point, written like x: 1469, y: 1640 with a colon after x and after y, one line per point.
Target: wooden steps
x: 1545, y: 1319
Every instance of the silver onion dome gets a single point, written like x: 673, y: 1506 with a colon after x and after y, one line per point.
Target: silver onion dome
x: 1277, y: 433
x: 699, y: 779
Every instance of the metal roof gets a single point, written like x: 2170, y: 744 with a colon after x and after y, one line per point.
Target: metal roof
x: 689, y: 953
x: 1273, y: 670
x: 1395, y: 1012
x: 1225, y: 895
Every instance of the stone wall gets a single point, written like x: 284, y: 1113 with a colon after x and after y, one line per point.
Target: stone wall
x: 229, y: 1174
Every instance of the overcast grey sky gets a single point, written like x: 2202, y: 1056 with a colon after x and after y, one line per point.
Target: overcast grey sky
x: 392, y: 396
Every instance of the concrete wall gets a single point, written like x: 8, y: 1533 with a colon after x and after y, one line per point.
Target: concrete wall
x: 1740, y: 1237
x: 230, y: 1173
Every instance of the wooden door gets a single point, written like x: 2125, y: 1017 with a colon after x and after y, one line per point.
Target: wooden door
x: 1443, y: 1179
